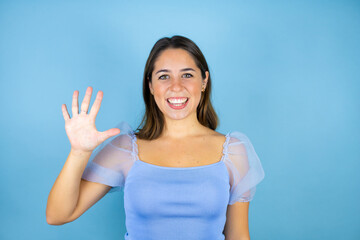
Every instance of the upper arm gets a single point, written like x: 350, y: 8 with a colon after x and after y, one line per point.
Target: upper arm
x: 237, y: 226
x: 244, y: 166
x: 89, y: 194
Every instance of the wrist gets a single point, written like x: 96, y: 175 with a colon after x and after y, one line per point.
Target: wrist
x: 80, y: 153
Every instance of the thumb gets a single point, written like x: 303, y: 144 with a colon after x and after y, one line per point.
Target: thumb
x: 109, y: 133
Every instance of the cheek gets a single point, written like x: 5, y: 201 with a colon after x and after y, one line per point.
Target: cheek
x: 158, y: 88
x: 159, y: 96
x: 196, y: 90
x: 159, y: 93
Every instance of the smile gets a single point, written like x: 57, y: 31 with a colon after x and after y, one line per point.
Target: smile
x: 176, y: 100
x: 177, y: 103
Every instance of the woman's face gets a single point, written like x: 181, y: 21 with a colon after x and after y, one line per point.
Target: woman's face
x: 177, y: 78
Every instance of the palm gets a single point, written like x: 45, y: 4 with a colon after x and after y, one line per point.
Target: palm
x: 82, y: 132
x: 81, y: 129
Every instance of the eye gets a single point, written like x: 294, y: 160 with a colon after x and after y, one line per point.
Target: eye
x: 188, y: 74
x: 161, y: 77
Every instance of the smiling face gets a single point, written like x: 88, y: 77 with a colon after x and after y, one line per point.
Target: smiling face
x: 176, y: 79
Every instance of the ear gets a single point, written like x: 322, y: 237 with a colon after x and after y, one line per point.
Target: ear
x: 206, y: 79
x: 151, y: 88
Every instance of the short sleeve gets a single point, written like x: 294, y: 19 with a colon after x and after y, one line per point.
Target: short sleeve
x: 110, y: 161
x: 244, y: 167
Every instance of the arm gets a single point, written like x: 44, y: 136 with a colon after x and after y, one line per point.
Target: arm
x: 237, y: 226
x: 245, y: 172
x: 70, y: 195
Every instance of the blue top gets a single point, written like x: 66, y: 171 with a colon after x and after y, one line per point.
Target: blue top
x: 171, y: 202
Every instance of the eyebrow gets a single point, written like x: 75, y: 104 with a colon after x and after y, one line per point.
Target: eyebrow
x: 181, y: 70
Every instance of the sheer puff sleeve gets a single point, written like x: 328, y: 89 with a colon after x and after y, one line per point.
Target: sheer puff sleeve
x: 110, y: 161
x: 244, y: 167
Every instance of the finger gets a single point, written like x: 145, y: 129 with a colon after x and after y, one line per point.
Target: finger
x: 109, y: 133
x: 65, y: 112
x: 97, y: 103
x: 86, y: 101
x: 75, y: 104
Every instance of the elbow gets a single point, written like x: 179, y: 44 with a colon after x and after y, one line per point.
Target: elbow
x: 55, y: 220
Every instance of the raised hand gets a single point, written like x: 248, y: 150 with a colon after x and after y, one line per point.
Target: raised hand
x: 81, y: 129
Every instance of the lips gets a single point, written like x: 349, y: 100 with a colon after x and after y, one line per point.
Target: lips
x: 178, y: 106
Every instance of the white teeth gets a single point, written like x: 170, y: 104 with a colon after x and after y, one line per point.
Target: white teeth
x: 177, y: 100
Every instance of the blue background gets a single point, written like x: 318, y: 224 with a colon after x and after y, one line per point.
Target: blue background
x: 285, y: 73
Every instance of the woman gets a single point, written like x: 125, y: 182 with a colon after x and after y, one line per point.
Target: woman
x: 181, y: 178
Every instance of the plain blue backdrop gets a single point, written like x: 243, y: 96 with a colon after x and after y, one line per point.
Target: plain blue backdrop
x: 285, y: 73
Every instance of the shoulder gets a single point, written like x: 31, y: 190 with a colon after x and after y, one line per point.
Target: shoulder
x: 237, y: 143
x: 231, y: 137
x: 237, y: 136
x: 214, y: 138
x: 212, y: 133
x: 125, y: 139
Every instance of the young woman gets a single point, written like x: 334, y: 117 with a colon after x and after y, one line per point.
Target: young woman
x: 181, y: 179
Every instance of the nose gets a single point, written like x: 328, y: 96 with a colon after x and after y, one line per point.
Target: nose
x: 176, y: 84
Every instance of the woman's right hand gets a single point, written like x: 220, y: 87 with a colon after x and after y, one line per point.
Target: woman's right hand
x: 81, y: 129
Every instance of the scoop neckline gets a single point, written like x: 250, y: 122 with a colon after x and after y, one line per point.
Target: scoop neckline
x: 181, y: 168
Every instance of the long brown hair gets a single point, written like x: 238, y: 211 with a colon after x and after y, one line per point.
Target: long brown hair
x: 153, y: 121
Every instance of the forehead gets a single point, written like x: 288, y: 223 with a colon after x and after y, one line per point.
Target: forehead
x: 174, y: 58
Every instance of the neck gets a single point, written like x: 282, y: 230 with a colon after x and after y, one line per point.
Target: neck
x: 178, y: 129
